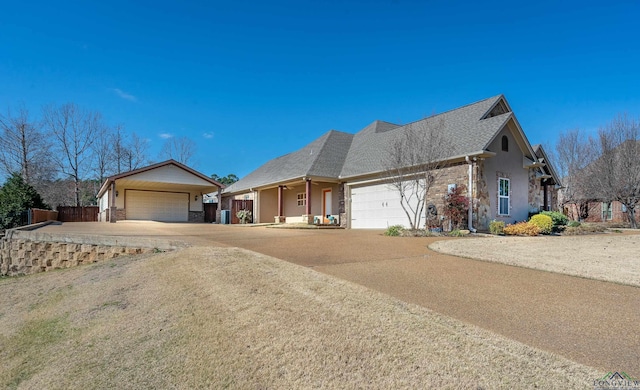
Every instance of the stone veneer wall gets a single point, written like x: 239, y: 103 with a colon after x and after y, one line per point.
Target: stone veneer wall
x: 482, y: 203
x: 196, y: 216
x: 458, y: 175
x: 342, y: 209
x: 536, y: 193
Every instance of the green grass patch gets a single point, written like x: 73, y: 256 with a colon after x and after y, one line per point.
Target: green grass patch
x: 27, y: 349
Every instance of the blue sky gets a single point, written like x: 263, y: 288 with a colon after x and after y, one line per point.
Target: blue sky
x: 250, y: 81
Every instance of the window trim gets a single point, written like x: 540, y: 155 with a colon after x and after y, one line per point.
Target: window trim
x: 507, y: 196
x: 608, y: 210
x: 301, y: 199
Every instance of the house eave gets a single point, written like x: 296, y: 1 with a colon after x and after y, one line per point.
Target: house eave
x: 451, y: 160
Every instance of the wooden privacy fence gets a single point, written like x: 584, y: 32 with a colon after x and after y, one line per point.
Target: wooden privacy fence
x: 78, y: 214
x: 39, y: 215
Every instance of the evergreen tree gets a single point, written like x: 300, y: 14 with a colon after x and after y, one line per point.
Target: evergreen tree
x: 17, y: 196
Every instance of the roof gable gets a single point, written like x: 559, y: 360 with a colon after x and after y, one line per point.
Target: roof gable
x: 169, y: 171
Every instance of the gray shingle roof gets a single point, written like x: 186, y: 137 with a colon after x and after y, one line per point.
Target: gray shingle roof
x: 341, y: 155
x: 323, y: 157
x: 462, y: 127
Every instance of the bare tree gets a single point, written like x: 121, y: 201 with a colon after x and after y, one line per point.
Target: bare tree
x: 181, y: 149
x: 572, y: 154
x: 73, y: 131
x: 136, y: 152
x: 615, y: 175
x: 416, y: 158
x: 103, y: 162
x: 23, y: 148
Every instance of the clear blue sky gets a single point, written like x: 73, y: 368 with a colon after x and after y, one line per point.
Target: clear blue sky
x: 252, y: 80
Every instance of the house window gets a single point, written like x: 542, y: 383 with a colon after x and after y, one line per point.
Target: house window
x: 302, y: 199
x: 503, y: 196
x: 505, y: 143
x: 607, y: 213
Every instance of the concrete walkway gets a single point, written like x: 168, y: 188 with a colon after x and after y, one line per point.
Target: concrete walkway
x: 591, y: 322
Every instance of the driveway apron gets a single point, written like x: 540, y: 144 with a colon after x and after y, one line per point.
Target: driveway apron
x: 591, y: 322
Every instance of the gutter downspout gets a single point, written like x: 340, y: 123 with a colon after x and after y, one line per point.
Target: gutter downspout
x: 470, y: 195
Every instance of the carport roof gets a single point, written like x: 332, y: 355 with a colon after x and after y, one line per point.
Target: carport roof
x: 125, y: 175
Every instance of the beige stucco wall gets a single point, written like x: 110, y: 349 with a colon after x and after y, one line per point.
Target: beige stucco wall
x: 268, y: 207
x: 507, y: 165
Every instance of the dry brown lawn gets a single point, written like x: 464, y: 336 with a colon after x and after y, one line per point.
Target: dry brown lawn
x: 611, y: 257
x: 230, y: 318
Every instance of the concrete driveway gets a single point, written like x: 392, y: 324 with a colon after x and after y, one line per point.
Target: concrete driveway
x: 591, y: 322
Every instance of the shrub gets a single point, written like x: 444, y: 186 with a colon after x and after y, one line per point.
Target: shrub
x: 587, y: 228
x: 244, y: 216
x: 456, y: 205
x: 558, y: 218
x: 544, y: 222
x: 456, y: 233
x: 574, y: 224
x: 395, y: 230
x: 496, y: 227
x: 522, y: 229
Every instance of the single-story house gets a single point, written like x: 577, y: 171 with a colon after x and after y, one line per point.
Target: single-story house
x: 168, y: 191
x: 341, y: 178
x: 597, y: 211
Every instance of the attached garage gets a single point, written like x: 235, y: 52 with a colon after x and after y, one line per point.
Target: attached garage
x: 157, y: 206
x: 376, y: 207
x: 164, y: 192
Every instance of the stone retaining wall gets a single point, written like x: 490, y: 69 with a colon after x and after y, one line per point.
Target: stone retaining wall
x: 24, y: 252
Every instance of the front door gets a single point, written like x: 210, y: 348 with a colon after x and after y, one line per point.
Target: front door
x: 326, y: 203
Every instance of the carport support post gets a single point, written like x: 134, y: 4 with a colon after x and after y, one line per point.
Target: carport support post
x: 279, y: 218
x: 113, y: 214
x: 307, y: 211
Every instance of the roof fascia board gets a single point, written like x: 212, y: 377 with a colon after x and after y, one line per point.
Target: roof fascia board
x: 114, y: 178
x: 450, y: 160
x: 549, y: 166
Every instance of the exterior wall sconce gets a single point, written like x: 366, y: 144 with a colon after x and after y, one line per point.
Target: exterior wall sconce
x: 117, y: 194
x: 195, y: 197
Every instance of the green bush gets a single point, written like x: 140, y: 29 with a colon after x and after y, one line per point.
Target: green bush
x: 544, y: 222
x: 456, y: 233
x: 395, y: 230
x: 496, y: 227
x: 558, y: 218
x: 574, y: 224
x: 522, y: 229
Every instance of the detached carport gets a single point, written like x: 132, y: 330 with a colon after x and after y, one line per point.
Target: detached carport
x: 168, y: 192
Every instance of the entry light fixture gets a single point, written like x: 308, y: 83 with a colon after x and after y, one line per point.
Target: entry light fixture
x: 117, y: 194
x: 195, y: 197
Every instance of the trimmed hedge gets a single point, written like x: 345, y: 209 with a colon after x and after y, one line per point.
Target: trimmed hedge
x: 522, y: 229
x: 544, y: 222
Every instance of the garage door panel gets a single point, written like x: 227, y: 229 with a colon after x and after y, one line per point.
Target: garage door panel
x: 377, y: 207
x: 157, y: 206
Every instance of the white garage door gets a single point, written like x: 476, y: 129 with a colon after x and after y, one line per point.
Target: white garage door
x: 157, y: 206
x: 376, y: 207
